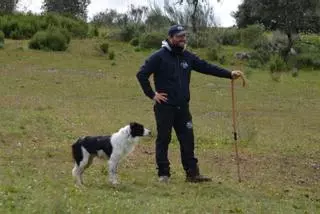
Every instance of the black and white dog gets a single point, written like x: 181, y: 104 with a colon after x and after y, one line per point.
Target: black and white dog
x: 114, y: 148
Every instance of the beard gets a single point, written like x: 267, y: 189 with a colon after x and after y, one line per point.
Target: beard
x: 178, y: 48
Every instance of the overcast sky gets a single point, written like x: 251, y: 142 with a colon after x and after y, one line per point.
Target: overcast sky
x: 222, y: 9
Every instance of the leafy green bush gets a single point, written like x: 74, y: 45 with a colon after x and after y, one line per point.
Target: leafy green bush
x: 229, y: 36
x: 308, y: 60
x: 127, y: 33
x: 49, y: 40
x: 104, y: 47
x: 151, y: 40
x: 276, y: 67
x: 112, y: 55
x: 308, y: 52
x: 277, y: 64
x: 262, y: 52
x: 1, y: 39
x: 254, y: 63
x: 212, y: 54
x: 198, y: 40
x: 135, y: 41
x: 251, y: 34
x: 24, y: 26
x: 93, y: 32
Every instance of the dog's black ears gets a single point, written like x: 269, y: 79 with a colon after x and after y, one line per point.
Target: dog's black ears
x: 135, y: 125
x: 132, y: 124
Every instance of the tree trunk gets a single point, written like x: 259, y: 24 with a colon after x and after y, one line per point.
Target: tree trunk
x: 286, y: 51
x: 194, y: 17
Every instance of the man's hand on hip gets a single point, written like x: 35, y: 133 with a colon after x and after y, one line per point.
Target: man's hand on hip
x: 160, y: 97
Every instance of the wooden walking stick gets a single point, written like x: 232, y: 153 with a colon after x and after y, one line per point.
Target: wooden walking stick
x: 235, y: 134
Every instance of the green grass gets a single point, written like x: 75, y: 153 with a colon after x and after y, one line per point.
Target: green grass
x: 49, y: 99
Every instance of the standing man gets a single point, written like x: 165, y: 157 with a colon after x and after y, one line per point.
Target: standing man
x: 171, y: 68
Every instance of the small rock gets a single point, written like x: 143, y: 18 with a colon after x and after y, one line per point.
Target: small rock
x: 242, y: 55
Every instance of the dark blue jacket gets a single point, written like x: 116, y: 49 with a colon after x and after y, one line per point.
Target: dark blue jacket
x: 172, y: 72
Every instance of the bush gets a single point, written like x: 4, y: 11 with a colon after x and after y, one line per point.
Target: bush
x: 308, y: 52
x: 134, y: 42
x: 93, y: 32
x: 199, y: 40
x: 254, y: 63
x: 49, y: 40
x: 137, y: 49
x: 24, y: 26
x: 276, y: 67
x: 1, y: 39
x: 229, y: 36
x: 308, y: 60
x: 277, y: 64
x: 212, y: 54
x: 112, y: 55
x: 104, y: 47
x: 263, y: 50
x: 127, y: 33
x: 261, y: 55
x: 151, y: 40
x: 251, y: 34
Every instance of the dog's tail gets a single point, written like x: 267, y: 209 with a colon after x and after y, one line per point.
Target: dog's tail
x: 76, y: 151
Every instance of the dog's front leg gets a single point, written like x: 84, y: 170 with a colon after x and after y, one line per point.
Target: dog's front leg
x: 113, y: 165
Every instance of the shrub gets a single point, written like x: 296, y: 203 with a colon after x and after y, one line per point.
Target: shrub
x: 16, y: 34
x: 261, y: 55
x: 1, y: 39
x: 24, y: 26
x: 49, y: 40
x: 229, y: 36
x: 308, y: 60
x: 276, y: 67
x: 127, y: 33
x: 112, y: 55
x: 308, y: 52
x: 137, y: 49
x: 263, y: 50
x: 212, y: 54
x: 93, y: 32
x: 151, y: 40
x: 135, y: 41
x: 254, y: 63
x: 251, y: 34
x: 198, y: 40
x: 277, y: 64
x: 104, y: 47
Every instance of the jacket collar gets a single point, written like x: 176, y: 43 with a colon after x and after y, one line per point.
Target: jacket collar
x: 175, y: 50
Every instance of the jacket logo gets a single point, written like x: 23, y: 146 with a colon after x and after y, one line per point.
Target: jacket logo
x: 189, y: 125
x: 184, y: 64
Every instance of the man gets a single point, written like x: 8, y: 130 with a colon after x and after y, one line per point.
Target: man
x: 171, y: 68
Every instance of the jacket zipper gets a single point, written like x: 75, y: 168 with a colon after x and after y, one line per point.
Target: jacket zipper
x: 179, y: 72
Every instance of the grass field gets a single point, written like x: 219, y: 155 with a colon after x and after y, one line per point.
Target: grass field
x: 49, y: 99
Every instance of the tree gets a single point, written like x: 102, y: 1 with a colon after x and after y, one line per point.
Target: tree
x: 76, y: 8
x: 289, y: 16
x: 203, y: 17
x: 156, y: 19
x: 195, y: 7
x: 137, y: 14
x: 108, y: 17
x: 8, y: 6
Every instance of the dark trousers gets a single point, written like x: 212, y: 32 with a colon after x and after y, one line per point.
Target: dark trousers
x: 181, y: 120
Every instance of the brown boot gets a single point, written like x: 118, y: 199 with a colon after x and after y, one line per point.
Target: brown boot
x: 193, y: 176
